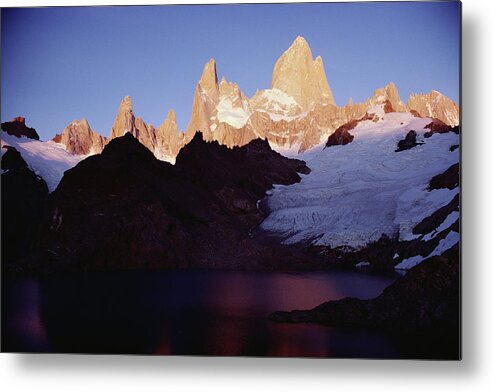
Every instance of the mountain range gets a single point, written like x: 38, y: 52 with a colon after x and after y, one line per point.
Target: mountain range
x: 364, y: 200
x: 295, y: 114
x: 378, y: 188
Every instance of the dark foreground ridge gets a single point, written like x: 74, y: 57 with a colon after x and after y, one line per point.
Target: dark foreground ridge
x: 124, y: 209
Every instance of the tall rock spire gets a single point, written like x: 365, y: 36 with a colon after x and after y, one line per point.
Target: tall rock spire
x: 301, y: 77
x: 205, y: 101
x: 125, y: 119
x: 208, y: 80
x: 125, y: 122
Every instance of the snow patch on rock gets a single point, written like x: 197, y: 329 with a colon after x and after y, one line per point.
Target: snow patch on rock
x: 445, y: 244
x: 448, y: 221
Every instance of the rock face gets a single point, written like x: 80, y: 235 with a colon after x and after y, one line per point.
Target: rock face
x: 164, y: 142
x: 408, y: 142
x: 24, y: 197
x: 169, y: 140
x: 341, y: 136
x: 220, y: 111
x: 125, y: 209
x: 17, y: 127
x: 78, y: 138
x: 125, y: 120
x: 388, y: 96
x: 205, y: 100
x: 448, y: 179
x: 435, y: 105
x: 437, y: 126
x: 301, y: 77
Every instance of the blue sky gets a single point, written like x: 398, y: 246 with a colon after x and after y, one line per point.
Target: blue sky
x: 61, y: 64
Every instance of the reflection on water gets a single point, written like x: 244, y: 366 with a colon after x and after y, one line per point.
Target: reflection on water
x: 186, y: 313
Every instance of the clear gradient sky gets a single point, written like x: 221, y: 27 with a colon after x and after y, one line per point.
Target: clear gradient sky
x: 61, y: 64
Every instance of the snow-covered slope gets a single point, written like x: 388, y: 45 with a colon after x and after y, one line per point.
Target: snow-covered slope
x: 357, y: 192
x: 49, y: 160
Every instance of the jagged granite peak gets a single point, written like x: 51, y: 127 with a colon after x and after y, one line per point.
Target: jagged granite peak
x: 171, y: 117
x: 205, y: 100
x: 435, y: 105
x: 322, y: 81
x: 125, y: 119
x: 127, y: 102
x: 390, y: 96
x: 78, y: 138
x: 146, y: 134
x: 298, y: 75
x: 208, y: 80
x: 220, y: 111
x: 169, y: 140
x: 232, y: 101
x: 297, y: 113
x: 164, y: 142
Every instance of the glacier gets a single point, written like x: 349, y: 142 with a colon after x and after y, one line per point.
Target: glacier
x: 357, y: 192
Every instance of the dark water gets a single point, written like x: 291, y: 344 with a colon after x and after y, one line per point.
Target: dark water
x: 186, y: 313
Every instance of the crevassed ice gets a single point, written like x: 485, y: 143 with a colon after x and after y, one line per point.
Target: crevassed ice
x: 357, y: 192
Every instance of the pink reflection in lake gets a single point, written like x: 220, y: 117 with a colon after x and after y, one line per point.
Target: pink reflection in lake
x: 187, y: 313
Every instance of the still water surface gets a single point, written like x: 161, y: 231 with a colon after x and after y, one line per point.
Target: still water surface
x: 186, y: 313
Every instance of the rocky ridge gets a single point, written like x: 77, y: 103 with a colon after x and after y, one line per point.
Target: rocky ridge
x: 125, y: 209
x: 435, y: 105
x: 78, y: 138
x: 296, y: 113
x: 164, y: 142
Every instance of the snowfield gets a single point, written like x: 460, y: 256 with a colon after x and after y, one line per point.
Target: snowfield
x: 234, y: 116
x: 49, y: 160
x: 357, y: 192
x: 280, y: 99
